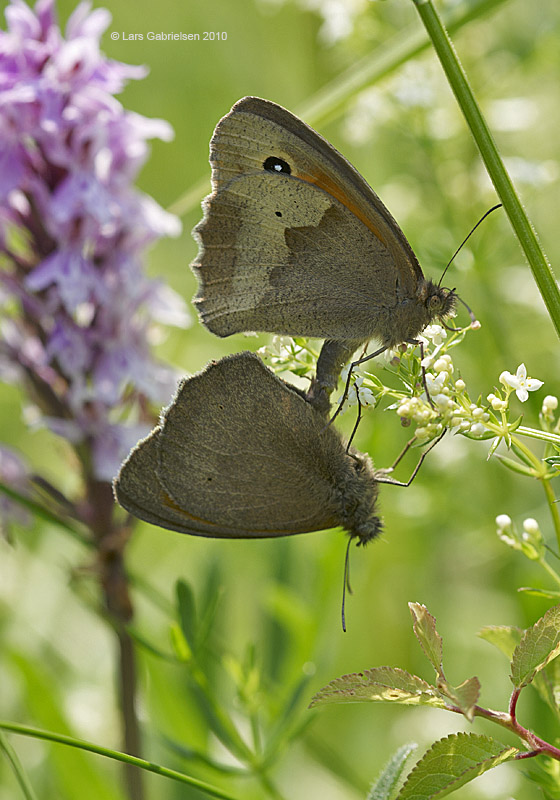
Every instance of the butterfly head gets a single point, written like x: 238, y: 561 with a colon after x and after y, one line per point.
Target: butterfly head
x: 357, y: 498
x: 438, y: 301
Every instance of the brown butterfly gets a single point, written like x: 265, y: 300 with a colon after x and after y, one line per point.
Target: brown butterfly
x: 294, y: 241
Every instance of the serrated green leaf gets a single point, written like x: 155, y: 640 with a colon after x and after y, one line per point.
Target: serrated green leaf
x: 426, y: 633
x: 504, y: 637
x: 514, y: 466
x: 385, y: 786
x: 380, y: 684
x: 538, y: 646
x: 463, y: 696
x: 451, y: 763
x: 547, y: 684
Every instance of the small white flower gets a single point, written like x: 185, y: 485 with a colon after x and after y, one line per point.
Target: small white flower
x: 503, y: 521
x: 477, y: 429
x: 520, y: 382
x: 428, y: 360
x: 435, y: 385
x: 435, y: 333
x: 530, y: 526
x: 549, y: 405
x: 496, y: 403
x: 442, y: 401
x: 279, y: 346
x: 404, y: 410
x: 358, y: 393
x: 460, y: 385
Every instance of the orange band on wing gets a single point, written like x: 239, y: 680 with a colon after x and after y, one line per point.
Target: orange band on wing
x: 323, y: 181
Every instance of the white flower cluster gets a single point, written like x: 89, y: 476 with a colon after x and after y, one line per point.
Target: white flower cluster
x: 357, y: 393
x: 448, y: 404
x: 530, y: 542
x: 285, y: 353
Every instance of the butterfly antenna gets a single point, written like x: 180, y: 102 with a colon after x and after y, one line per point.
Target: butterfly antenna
x: 346, y: 584
x: 471, y: 315
x: 465, y: 240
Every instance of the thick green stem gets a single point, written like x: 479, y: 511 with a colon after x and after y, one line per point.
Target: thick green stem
x: 125, y: 758
x: 524, y: 231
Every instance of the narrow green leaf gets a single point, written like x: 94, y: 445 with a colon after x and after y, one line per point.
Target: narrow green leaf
x: 521, y: 455
x: 380, y: 684
x: 493, y: 447
x: 504, y: 637
x: 179, y: 643
x: 513, y: 426
x: 478, y: 437
x: 451, y: 763
x: 549, y: 594
x: 13, y: 760
x: 385, y: 786
x: 464, y: 696
x: 427, y: 635
x: 44, y: 513
x: 515, y: 466
x: 211, y: 596
x: 187, y: 612
x: 538, y: 646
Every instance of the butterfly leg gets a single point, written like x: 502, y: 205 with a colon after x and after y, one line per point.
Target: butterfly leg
x: 349, y: 378
x: 358, y: 418
x: 381, y: 475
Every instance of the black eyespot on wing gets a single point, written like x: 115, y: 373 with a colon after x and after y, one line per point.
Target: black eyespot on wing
x: 278, y: 213
x: 275, y: 164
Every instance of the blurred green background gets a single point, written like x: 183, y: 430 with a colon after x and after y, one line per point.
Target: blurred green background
x: 282, y: 598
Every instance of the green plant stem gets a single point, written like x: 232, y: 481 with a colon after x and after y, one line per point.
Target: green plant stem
x: 546, y: 566
x: 523, y: 229
x: 15, y: 764
x: 125, y: 758
x: 542, y: 436
x: 554, y: 510
x: 544, y: 478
